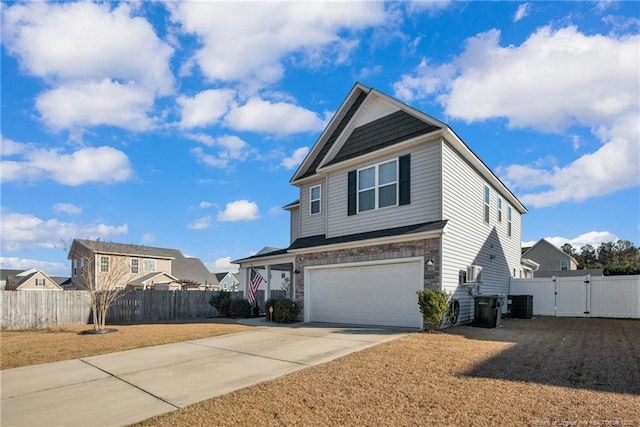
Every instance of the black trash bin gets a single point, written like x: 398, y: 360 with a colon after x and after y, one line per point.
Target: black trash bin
x: 487, y: 311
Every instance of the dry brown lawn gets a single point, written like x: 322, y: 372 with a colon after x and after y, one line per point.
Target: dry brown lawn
x: 539, y: 372
x: 34, y: 346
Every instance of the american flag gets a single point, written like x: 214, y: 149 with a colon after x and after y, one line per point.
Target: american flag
x: 254, y: 284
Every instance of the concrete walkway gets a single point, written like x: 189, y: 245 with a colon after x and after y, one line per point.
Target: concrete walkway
x: 126, y: 387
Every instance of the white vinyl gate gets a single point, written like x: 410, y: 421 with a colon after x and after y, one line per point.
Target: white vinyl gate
x: 584, y: 296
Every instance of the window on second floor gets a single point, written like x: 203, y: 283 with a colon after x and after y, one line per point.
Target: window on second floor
x: 75, y: 268
x: 564, y: 265
x: 499, y: 209
x: 378, y: 186
x: 104, y: 264
x: 39, y: 282
x: 509, y: 221
x: 314, y: 199
x: 135, y: 265
x: 149, y: 265
x: 487, y: 201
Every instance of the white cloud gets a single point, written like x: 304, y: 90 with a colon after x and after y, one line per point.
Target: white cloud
x: 100, y: 164
x: 148, y: 238
x: 523, y: 11
x: 205, y: 205
x: 24, y: 231
x: 240, y: 210
x: 104, y: 66
x: 430, y: 6
x: 278, y: 118
x: 200, y: 223
x: 87, y: 41
x: 240, y: 44
x: 542, y: 84
x: 223, y: 265
x: 613, y: 167
x: 87, y: 104
x: 205, y: 108
x: 593, y: 238
x: 68, y: 208
x: 296, y: 158
x: 231, y: 149
x: 51, y: 268
x: 275, y: 211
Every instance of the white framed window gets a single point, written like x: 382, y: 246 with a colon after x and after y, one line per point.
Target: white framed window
x: 74, y: 269
x: 149, y: 265
x: 499, y: 209
x: 378, y: 186
x: 283, y: 276
x: 315, y: 195
x: 104, y: 264
x: 509, y: 221
x: 135, y: 265
x: 39, y: 282
x: 564, y: 265
x: 487, y: 201
x: 82, y: 262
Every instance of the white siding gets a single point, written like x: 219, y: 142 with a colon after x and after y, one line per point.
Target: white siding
x: 469, y: 239
x: 313, y: 225
x: 425, y: 196
x: 295, y: 223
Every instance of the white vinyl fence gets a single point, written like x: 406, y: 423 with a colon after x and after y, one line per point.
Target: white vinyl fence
x: 586, y: 296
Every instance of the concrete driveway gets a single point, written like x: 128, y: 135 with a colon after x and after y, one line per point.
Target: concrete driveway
x: 130, y: 386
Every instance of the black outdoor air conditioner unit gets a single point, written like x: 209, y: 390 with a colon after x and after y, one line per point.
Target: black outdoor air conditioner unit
x: 520, y: 306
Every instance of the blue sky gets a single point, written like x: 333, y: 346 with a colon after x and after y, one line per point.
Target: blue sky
x: 180, y: 124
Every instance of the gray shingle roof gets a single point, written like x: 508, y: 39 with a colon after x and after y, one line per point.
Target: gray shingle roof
x: 383, y: 132
x: 322, y: 240
x: 336, y: 133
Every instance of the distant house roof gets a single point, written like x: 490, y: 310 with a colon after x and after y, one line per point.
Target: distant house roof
x: 15, y: 278
x: 545, y: 243
x: 143, y: 279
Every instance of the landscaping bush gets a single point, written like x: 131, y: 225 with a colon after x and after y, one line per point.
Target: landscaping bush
x: 224, y: 307
x: 433, y: 306
x: 220, y: 302
x: 239, y: 307
x: 285, y: 311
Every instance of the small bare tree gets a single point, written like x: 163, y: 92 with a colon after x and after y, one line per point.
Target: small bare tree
x: 104, y: 275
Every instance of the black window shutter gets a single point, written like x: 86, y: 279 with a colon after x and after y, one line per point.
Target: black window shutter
x: 352, y: 193
x: 405, y: 180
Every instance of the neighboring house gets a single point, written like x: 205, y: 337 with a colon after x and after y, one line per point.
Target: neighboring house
x: 228, y: 281
x: 27, y: 280
x: 553, y: 261
x: 136, y: 267
x: 391, y: 202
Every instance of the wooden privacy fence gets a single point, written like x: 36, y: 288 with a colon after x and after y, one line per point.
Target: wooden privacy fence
x: 586, y: 296
x: 39, y: 309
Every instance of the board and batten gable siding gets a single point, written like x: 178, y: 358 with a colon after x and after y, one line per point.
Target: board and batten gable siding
x: 294, y: 227
x: 313, y: 225
x: 469, y: 240
x: 425, y: 195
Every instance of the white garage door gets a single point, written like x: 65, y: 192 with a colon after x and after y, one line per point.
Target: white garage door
x: 374, y: 294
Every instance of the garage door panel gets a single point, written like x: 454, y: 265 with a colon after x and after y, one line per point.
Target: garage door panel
x: 380, y: 294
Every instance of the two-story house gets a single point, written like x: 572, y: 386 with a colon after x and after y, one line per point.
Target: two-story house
x: 391, y: 202
x: 552, y: 261
x: 116, y: 265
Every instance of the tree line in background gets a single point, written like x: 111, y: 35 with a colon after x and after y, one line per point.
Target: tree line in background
x: 619, y: 258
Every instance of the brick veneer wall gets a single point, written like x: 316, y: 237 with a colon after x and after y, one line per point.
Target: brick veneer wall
x: 426, y: 248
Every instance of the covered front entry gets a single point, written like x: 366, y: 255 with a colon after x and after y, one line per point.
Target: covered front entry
x: 371, y: 293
